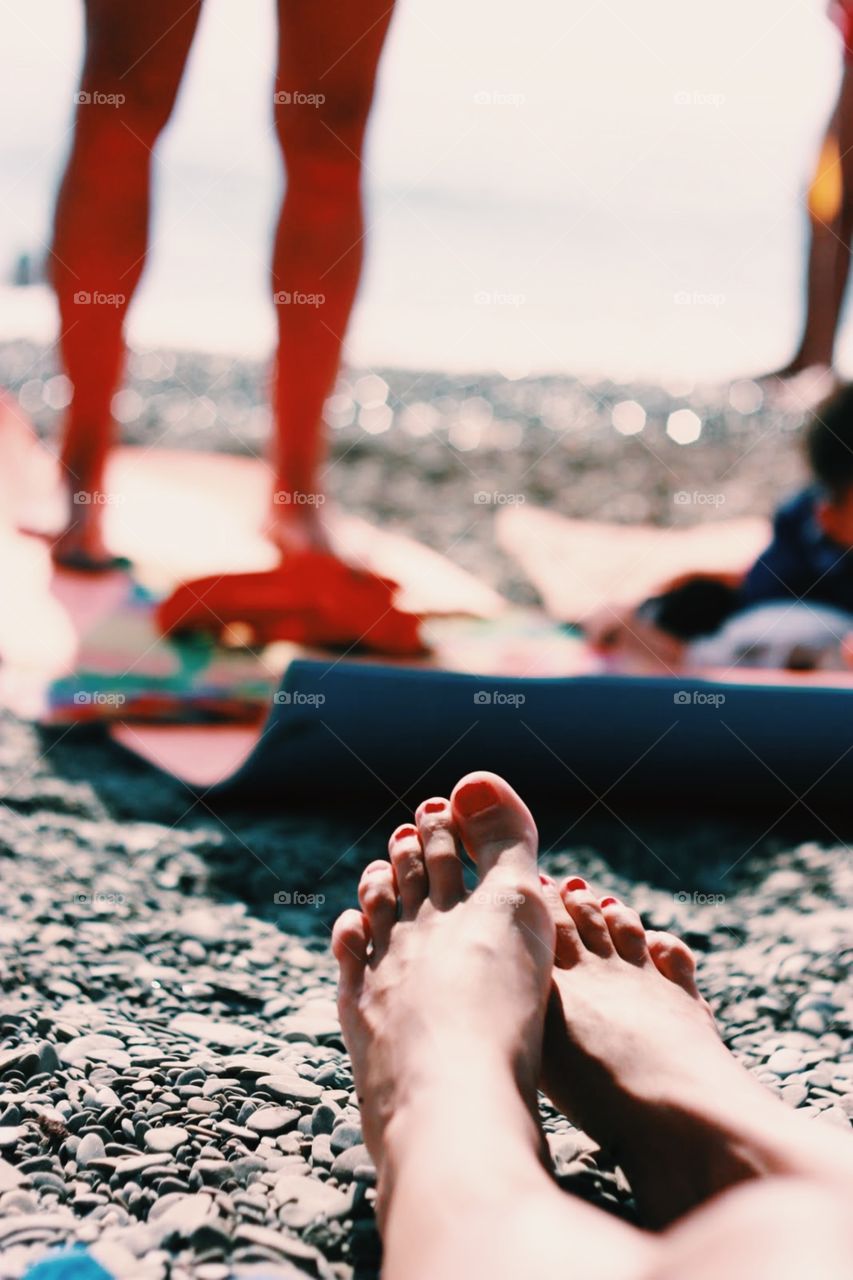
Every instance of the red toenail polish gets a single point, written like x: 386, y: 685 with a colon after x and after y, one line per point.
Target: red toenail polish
x: 407, y: 830
x: 476, y: 798
x: 435, y: 806
x: 608, y: 902
x: 543, y: 879
x: 574, y: 882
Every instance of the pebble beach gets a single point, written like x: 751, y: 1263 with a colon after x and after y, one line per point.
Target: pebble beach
x: 174, y: 1090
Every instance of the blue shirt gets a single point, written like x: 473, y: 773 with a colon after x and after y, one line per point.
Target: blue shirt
x: 801, y: 561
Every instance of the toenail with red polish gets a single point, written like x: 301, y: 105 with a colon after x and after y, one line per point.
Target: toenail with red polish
x: 408, y: 830
x: 476, y: 798
x: 574, y: 882
x: 543, y: 879
x: 435, y: 806
x: 608, y: 902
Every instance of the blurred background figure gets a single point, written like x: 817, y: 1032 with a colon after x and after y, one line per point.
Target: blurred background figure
x: 830, y: 208
x: 134, y: 62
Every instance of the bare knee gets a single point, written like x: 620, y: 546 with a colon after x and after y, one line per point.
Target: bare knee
x: 784, y: 1227
x: 322, y: 141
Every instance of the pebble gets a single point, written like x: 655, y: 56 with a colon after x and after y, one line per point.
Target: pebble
x: 10, y: 1177
x: 10, y: 1136
x: 345, y: 1165
x: 166, y: 1139
x: 228, y: 1035
x: 785, y: 1062
x: 90, y: 1147
x: 344, y: 1137
x: 302, y: 1200
x: 291, y: 1088
x: 273, y: 1120
x: 324, y: 1117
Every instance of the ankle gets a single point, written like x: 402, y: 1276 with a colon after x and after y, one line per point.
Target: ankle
x: 489, y: 1125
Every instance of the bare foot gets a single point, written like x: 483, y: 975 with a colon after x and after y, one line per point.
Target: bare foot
x: 81, y: 544
x: 467, y: 972
x: 442, y: 1002
x: 296, y: 526
x: 633, y: 1056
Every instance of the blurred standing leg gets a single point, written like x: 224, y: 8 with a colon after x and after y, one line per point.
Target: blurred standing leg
x: 134, y: 61
x: 328, y: 57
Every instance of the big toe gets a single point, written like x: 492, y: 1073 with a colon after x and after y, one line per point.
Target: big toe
x: 494, y: 824
x: 350, y: 938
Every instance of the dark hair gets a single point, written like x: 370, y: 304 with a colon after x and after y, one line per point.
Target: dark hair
x: 829, y: 443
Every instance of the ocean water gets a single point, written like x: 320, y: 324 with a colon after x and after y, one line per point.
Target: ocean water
x: 589, y: 188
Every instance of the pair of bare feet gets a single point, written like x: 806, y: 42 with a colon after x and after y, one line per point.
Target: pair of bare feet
x: 81, y: 545
x: 456, y: 1007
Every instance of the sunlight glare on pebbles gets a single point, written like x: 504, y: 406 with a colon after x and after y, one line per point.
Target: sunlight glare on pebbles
x: 127, y: 405
x: 339, y: 410
x: 31, y: 395
x: 419, y: 419
x: 684, y: 426
x: 375, y: 419
x: 371, y: 391
x: 628, y: 417
x: 58, y: 391
x: 746, y: 396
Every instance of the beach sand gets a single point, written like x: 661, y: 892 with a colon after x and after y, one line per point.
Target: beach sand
x: 150, y: 949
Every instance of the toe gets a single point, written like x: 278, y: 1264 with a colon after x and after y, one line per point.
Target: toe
x: 568, y: 948
x: 674, y: 959
x: 626, y: 930
x: 441, y: 852
x: 407, y: 859
x: 494, y: 824
x: 350, y: 939
x: 377, y: 894
x: 584, y: 908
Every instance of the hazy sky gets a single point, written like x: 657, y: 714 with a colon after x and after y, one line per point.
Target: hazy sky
x: 598, y: 157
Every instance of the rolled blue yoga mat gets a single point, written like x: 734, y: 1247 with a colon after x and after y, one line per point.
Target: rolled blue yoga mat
x: 346, y: 729
x: 69, y: 1264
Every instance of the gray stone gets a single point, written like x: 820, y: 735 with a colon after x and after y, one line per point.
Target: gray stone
x: 345, y: 1165
x: 346, y: 1136
x: 10, y: 1177
x: 10, y: 1135
x: 303, y: 1200
x: 166, y: 1138
x: 785, y: 1062
x: 290, y: 1088
x: 91, y: 1147
x: 228, y: 1035
x: 273, y: 1120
